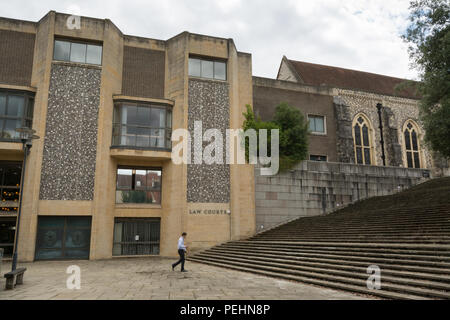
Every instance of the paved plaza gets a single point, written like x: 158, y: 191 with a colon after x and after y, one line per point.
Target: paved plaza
x: 153, y: 279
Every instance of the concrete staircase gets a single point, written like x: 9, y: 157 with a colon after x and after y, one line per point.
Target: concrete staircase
x: 407, y: 235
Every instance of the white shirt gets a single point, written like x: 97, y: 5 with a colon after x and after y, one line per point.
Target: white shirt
x: 181, y: 244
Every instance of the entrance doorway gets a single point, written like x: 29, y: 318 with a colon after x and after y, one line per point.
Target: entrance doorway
x: 63, y: 238
x: 136, y: 236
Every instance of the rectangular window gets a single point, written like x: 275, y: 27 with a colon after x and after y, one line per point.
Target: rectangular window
x: 77, y: 52
x: 314, y: 157
x: 138, y: 185
x: 208, y: 69
x: 136, y: 236
x: 142, y: 126
x: 316, y: 124
x: 16, y: 111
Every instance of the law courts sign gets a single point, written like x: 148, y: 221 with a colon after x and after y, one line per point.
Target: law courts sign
x: 209, y: 211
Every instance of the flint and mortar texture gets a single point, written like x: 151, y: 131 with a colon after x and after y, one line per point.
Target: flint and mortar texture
x: 70, y: 145
x: 209, y: 103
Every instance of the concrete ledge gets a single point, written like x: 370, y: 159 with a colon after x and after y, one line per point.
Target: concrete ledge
x: 121, y: 153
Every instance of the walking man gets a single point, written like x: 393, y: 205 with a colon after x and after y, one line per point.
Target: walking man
x: 181, y: 252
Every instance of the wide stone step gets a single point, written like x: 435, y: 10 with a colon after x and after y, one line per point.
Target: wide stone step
x: 371, y: 221
x: 361, y: 284
x: 354, y: 247
x: 435, y: 267
x: 398, y: 245
x: 361, y: 236
x: 440, y: 224
x: 362, y: 274
x: 353, y: 240
x: 348, y: 267
x: 335, y: 285
x: 399, y: 236
x: 289, y: 252
x: 439, y: 228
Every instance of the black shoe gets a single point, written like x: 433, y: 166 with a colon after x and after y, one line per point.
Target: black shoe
x: 173, y: 268
x: 184, y: 271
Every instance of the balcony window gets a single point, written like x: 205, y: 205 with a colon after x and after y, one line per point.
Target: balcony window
x: 209, y: 69
x: 142, y: 126
x: 77, y: 52
x: 16, y: 111
x: 138, y: 185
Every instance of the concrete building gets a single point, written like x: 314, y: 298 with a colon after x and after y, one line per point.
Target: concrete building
x: 100, y: 181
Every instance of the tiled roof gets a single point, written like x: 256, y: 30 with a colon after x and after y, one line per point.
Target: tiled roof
x: 317, y: 75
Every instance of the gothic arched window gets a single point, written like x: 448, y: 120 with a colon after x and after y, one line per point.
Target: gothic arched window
x: 362, y: 140
x: 412, y: 148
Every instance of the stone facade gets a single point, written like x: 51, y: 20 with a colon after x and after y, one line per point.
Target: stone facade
x: 368, y: 90
x: 70, y: 146
x: 396, y: 111
x: 208, y: 103
x: 344, y: 137
x: 72, y: 169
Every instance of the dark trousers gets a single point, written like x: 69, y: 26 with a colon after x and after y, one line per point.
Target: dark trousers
x: 181, y: 253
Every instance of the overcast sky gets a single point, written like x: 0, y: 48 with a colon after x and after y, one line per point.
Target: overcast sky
x: 356, y: 34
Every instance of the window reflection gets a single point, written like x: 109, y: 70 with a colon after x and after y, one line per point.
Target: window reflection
x: 142, y: 126
x: 138, y: 185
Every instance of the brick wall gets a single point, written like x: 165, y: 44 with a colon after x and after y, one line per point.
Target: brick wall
x: 16, y: 57
x: 143, y: 72
x: 266, y: 97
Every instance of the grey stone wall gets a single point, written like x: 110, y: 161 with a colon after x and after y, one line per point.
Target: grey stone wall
x: 70, y: 144
x: 315, y: 188
x: 209, y: 103
x: 344, y: 135
x: 393, y: 148
x: 395, y: 113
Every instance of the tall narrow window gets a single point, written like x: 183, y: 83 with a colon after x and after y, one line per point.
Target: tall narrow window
x: 362, y: 140
x: 412, y: 151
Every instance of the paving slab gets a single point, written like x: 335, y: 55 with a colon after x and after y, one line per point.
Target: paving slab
x: 153, y: 279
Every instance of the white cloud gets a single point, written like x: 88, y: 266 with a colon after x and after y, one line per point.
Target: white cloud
x: 362, y: 35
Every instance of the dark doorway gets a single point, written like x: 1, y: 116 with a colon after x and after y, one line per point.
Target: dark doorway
x: 7, y: 232
x: 136, y: 236
x: 63, y: 238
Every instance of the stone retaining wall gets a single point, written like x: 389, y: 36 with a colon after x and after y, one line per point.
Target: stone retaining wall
x: 315, y: 188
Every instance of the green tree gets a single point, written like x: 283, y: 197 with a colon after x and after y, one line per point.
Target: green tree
x: 293, y: 133
x: 251, y: 122
x: 428, y: 36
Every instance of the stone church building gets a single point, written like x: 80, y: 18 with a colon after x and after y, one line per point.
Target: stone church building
x: 100, y: 181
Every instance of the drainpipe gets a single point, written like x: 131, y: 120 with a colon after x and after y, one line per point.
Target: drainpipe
x: 383, y: 157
